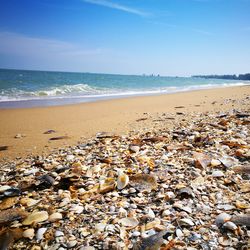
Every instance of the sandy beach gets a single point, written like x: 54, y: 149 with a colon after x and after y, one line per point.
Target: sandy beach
x: 82, y: 121
x: 171, y: 172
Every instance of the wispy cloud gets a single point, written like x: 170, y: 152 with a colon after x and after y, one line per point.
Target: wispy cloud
x: 22, y: 51
x: 117, y: 6
x: 18, y: 44
x: 202, y: 32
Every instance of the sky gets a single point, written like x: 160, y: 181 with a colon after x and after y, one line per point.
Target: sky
x: 166, y: 37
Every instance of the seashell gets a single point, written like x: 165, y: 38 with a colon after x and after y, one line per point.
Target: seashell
x: 230, y: 225
x: 4, y: 188
x: 143, y: 182
x: 55, y: 217
x: 226, y: 207
x: 242, y: 220
x: 186, y: 222
x: 201, y: 160
x: 129, y: 222
x: 77, y: 209
x: 182, y: 207
x: 45, y: 181
x: 12, y: 214
x: 29, y: 233
x: 58, y: 233
x: 217, y: 174
x: 134, y: 148
x: 108, y: 185
x: 152, y: 224
x: 152, y: 242
x: 36, y: 217
x: 150, y: 213
x: 72, y: 244
x: 242, y: 205
x: 228, y: 161
x: 7, y: 237
x: 40, y: 232
x: 179, y: 233
x: 13, y: 191
x: 245, y: 187
x: 100, y: 227
x: 8, y: 202
x: 222, y: 218
x: 122, y: 181
x: 28, y: 202
x: 215, y: 163
x: 185, y: 193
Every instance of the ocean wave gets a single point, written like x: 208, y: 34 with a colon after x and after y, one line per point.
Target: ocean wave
x: 86, y: 91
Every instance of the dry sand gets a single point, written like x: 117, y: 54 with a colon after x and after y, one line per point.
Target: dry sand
x: 81, y: 121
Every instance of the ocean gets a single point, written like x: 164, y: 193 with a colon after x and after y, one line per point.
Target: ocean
x: 28, y: 88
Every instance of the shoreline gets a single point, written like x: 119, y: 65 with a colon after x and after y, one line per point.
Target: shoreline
x: 74, y: 100
x: 82, y: 121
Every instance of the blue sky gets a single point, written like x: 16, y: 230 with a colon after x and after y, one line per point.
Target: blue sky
x: 167, y: 37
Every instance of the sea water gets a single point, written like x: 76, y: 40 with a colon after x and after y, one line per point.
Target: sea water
x: 27, y: 88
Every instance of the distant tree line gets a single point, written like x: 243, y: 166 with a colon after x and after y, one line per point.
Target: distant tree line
x: 227, y: 77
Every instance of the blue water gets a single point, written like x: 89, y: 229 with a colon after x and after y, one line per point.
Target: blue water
x: 25, y: 88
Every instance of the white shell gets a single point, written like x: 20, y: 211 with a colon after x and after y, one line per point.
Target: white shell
x: 217, y: 173
x: 122, y: 181
x: 40, y: 232
x: 186, y: 222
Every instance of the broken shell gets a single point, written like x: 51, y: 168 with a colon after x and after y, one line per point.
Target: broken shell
x: 40, y: 232
x: 55, y: 217
x: 217, y: 174
x: 201, y: 160
x: 129, y: 222
x: 122, y: 181
x: 143, y: 182
x: 36, y: 217
x: 222, y: 218
x: 186, y: 222
x: 8, y: 202
x: 29, y: 233
x: 215, y: 163
x: 28, y: 202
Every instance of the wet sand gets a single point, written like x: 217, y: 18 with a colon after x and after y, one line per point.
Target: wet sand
x: 82, y: 121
